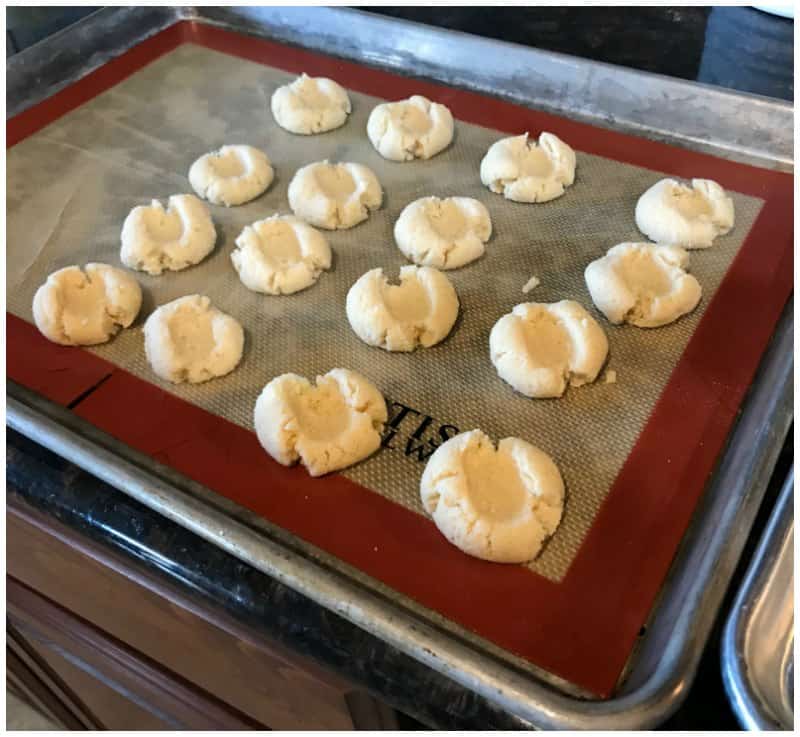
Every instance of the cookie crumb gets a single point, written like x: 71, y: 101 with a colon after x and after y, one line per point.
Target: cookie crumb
x: 532, y: 283
x: 611, y: 376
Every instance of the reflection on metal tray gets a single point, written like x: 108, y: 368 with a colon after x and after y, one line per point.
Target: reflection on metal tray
x: 727, y: 124
x: 758, y: 641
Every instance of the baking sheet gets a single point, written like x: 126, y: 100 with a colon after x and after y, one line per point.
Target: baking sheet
x: 136, y: 142
x: 758, y: 638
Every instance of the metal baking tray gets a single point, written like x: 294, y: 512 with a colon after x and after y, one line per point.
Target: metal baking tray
x: 758, y: 641
x: 727, y: 124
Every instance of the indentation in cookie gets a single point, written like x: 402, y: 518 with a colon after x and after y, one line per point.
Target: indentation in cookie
x: 643, y: 284
x: 336, y: 182
x: 334, y: 196
x: 231, y: 175
x: 415, y: 128
x: 524, y: 170
x: 540, y: 348
x: 86, y: 306
x: 157, y: 239
x: 310, y: 105
x: 280, y: 255
x: 419, y: 311
x: 190, y: 340
x: 327, y: 427
x: 673, y: 213
x: 444, y: 233
x: 499, y: 504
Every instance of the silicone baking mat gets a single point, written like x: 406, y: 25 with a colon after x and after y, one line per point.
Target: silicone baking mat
x: 133, y: 139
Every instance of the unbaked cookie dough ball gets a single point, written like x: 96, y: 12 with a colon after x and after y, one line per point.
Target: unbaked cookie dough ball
x: 334, y: 196
x: 674, y: 214
x: 232, y: 175
x: 326, y: 427
x: 643, y: 284
x: 190, y: 340
x: 539, y: 348
x: 523, y: 170
x: 310, y: 105
x: 420, y: 311
x: 155, y: 239
x: 444, y: 233
x: 499, y: 504
x: 415, y: 128
x: 86, y: 307
x: 280, y: 255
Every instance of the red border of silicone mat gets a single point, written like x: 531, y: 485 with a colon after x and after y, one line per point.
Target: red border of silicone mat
x: 581, y: 629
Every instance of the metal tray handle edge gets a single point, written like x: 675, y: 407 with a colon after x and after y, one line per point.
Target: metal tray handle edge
x: 748, y: 706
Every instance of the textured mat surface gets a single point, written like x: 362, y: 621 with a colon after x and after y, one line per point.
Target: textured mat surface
x: 136, y: 142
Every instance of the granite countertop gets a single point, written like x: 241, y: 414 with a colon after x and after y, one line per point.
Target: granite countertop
x: 685, y: 42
